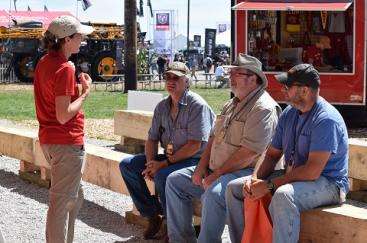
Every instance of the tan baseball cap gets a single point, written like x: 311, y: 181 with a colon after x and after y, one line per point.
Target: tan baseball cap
x: 178, y: 68
x: 66, y: 25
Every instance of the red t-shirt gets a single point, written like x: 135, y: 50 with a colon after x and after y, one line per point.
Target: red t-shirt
x: 55, y: 76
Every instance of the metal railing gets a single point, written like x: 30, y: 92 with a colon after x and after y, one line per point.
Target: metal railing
x: 7, y: 77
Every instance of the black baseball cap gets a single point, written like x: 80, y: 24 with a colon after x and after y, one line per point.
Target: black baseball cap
x: 304, y: 74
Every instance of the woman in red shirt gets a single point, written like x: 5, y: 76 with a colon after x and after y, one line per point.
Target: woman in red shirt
x: 61, y: 123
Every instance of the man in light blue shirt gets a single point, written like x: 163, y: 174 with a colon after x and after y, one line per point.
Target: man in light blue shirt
x: 181, y: 123
x: 312, y: 136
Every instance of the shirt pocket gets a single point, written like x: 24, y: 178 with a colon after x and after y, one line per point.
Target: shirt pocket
x: 219, y: 124
x: 235, y: 133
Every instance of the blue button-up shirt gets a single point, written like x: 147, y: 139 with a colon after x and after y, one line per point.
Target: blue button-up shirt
x: 194, y: 121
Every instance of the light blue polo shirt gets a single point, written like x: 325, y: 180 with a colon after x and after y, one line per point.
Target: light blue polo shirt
x: 322, y: 129
x: 194, y: 121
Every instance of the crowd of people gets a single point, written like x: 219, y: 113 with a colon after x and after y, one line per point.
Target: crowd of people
x: 252, y: 152
x: 195, y: 63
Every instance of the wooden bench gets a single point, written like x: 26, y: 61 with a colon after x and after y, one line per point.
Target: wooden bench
x: 345, y: 223
x: 133, y: 127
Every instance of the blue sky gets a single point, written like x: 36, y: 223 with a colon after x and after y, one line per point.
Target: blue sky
x: 204, y: 13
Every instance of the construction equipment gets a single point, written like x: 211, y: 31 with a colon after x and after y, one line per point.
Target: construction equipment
x: 100, y: 54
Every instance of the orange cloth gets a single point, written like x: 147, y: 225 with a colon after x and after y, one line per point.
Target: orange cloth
x: 258, y: 224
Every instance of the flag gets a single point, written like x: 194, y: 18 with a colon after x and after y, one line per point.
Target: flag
x: 141, y: 8
x: 15, y: 5
x: 45, y: 8
x: 86, y: 4
x: 150, y: 7
x: 29, y: 9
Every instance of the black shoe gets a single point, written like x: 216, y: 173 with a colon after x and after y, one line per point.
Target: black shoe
x: 162, y: 233
x: 155, y: 223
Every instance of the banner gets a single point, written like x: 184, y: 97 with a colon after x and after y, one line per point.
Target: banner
x: 223, y: 27
x: 210, y: 35
x: 162, y: 21
x: 197, y: 40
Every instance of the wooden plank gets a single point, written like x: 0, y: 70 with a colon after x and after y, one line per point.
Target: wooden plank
x: 102, y: 169
x: 336, y: 224
x: 358, y: 159
x: 357, y: 185
x: 17, y: 143
x: 133, y: 124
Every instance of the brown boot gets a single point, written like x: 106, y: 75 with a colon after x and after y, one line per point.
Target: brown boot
x: 153, y: 227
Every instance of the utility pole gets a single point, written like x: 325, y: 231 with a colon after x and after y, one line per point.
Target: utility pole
x: 188, y: 29
x: 130, y: 37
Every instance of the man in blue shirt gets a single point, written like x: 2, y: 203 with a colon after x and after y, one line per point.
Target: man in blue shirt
x: 312, y: 136
x: 181, y: 123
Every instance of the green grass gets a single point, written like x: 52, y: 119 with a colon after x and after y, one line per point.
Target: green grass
x: 19, y: 105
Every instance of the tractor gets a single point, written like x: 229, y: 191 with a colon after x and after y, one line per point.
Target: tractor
x: 100, y: 54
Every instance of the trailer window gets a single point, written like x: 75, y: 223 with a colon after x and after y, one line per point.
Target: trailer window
x: 281, y: 39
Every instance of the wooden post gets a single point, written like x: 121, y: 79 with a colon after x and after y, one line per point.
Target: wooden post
x: 130, y: 45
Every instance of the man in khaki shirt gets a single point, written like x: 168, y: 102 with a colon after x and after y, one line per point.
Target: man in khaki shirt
x: 241, y: 134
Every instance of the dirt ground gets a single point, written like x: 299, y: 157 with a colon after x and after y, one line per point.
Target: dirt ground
x: 94, y: 128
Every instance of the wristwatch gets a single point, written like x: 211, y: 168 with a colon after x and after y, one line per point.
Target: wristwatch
x: 271, y: 186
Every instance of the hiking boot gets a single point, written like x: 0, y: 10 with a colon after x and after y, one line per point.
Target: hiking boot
x: 162, y: 233
x: 155, y: 223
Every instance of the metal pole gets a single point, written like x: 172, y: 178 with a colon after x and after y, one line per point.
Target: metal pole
x: 188, y: 29
x: 130, y: 45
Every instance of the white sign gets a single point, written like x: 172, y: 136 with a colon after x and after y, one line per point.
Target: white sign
x: 144, y: 101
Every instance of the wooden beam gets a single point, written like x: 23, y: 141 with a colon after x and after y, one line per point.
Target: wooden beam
x: 337, y: 224
x: 358, y: 159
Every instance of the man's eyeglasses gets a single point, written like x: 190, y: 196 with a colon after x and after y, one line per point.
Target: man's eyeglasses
x: 239, y: 74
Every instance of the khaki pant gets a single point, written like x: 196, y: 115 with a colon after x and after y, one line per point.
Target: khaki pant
x: 65, y: 194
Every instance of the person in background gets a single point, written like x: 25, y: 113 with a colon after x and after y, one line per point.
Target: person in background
x: 161, y: 62
x: 61, y: 123
x: 219, y: 75
x: 181, y: 124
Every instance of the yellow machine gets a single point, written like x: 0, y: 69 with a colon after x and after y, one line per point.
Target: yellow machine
x: 100, y: 54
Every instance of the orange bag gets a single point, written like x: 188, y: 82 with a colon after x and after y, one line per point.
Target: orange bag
x: 258, y: 224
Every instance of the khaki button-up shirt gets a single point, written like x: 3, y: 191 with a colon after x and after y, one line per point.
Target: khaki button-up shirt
x: 250, y: 123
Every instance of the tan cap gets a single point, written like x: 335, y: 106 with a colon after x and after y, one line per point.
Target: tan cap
x: 178, y: 69
x: 65, y: 25
x: 251, y: 63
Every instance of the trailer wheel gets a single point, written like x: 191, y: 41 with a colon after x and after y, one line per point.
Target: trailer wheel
x: 104, y: 63
x: 24, y: 67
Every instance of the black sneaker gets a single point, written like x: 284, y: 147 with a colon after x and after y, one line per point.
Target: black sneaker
x: 155, y: 223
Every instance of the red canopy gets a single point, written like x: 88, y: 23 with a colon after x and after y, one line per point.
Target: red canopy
x: 43, y: 16
x: 294, y: 5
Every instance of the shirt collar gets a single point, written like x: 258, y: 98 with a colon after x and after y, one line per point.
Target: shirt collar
x: 58, y: 54
x: 182, y: 101
x: 236, y: 102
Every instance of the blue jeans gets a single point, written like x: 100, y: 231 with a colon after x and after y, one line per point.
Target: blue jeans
x: 147, y: 204
x: 179, y: 194
x: 286, y: 205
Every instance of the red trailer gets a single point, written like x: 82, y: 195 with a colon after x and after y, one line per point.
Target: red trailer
x: 330, y: 34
